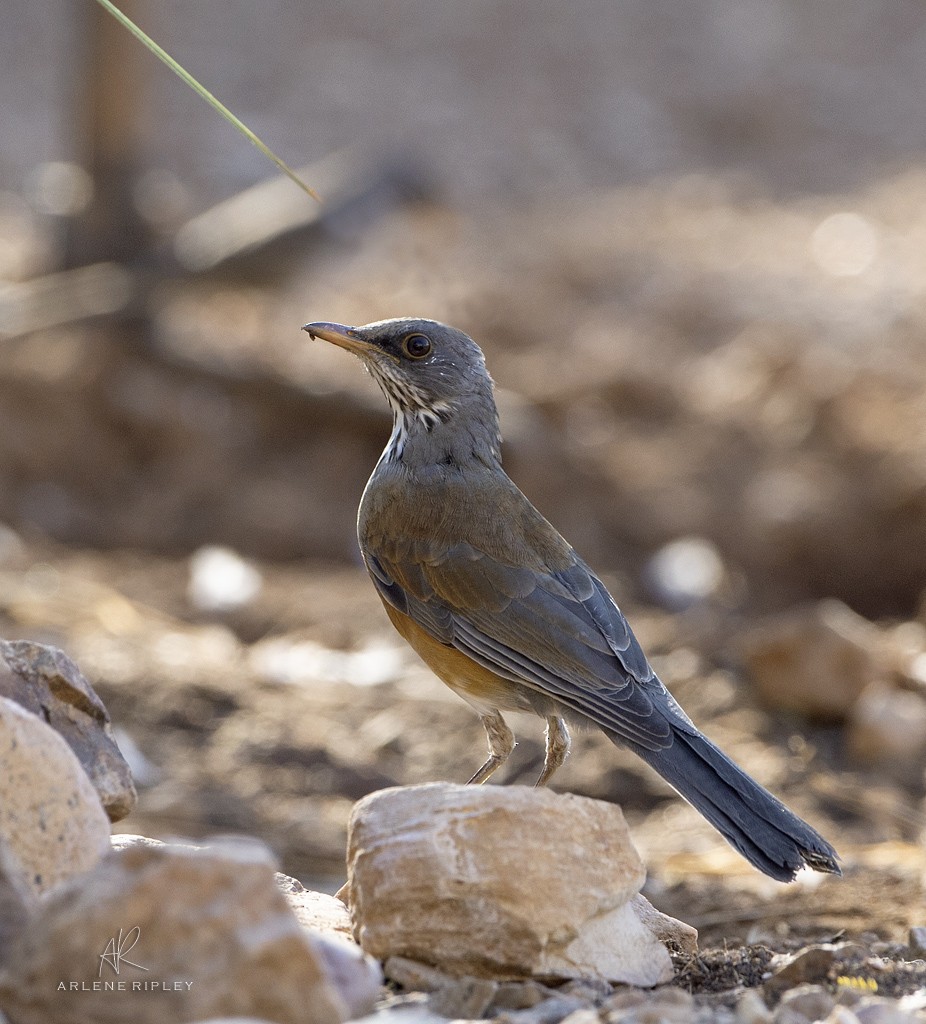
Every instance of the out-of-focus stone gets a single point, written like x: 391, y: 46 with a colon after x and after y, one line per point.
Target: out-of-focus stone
x: 582, y: 1017
x: 414, y: 976
x: 212, y: 930
x: 812, y: 1002
x: 464, y: 998
x: 751, y: 1009
x: 325, y: 919
x: 520, y: 995
x: 666, y: 929
x: 356, y: 977
x: 46, y: 682
x: 501, y: 883
x: 916, y: 942
x: 50, y: 814
x: 887, y: 728
x: 589, y: 990
x: 17, y: 900
x: 550, y: 1011
x: 667, y: 1005
x: 315, y: 910
x: 814, y: 659
x: 875, y: 1010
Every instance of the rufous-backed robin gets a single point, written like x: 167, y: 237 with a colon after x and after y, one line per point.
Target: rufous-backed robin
x: 505, y: 612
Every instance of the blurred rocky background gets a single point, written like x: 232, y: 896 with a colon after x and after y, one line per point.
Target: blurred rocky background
x: 691, y: 239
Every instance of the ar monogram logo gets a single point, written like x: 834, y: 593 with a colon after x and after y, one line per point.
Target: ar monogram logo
x: 116, y: 949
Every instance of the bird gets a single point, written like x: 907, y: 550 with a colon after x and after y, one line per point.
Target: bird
x: 503, y: 610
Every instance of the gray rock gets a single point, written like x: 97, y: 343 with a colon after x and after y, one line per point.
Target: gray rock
x: 46, y: 682
x: 464, y: 998
x: 414, y: 976
x: 812, y: 1001
x: 550, y: 1011
x: 521, y: 995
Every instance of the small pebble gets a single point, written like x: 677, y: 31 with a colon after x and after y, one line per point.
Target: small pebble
x: 811, y: 1001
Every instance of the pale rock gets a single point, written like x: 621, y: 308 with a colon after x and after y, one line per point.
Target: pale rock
x: 582, y: 1017
x: 315, y: 910
x: 887, y: 728
x: 46, y: 682
x: 18, y: 901
x: 916, y: 942
x: 841, y: 1015
x: 50, y: 815
x: 405, y: 1013
x: 814, y: 659
x: 127, y: 840
x: 356, y: 977
x: 666, y: 929
x: 500, y: 882
x: 212, y: 929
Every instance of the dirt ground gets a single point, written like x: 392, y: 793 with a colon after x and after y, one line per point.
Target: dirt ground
x: 692, y: 242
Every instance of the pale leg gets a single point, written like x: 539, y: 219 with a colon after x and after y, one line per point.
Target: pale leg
x: 501, y: 743
x: 557, y: 748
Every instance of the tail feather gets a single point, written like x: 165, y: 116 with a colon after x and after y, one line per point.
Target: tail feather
x: 753, y: 821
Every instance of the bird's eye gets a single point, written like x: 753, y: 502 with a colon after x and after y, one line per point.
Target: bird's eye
x: 417, y: 345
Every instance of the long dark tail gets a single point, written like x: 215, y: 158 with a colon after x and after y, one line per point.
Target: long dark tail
x: 754, y: 822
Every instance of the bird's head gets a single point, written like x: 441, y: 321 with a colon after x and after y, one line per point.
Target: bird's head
x: 425, y: 368
x: 436, y: 381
